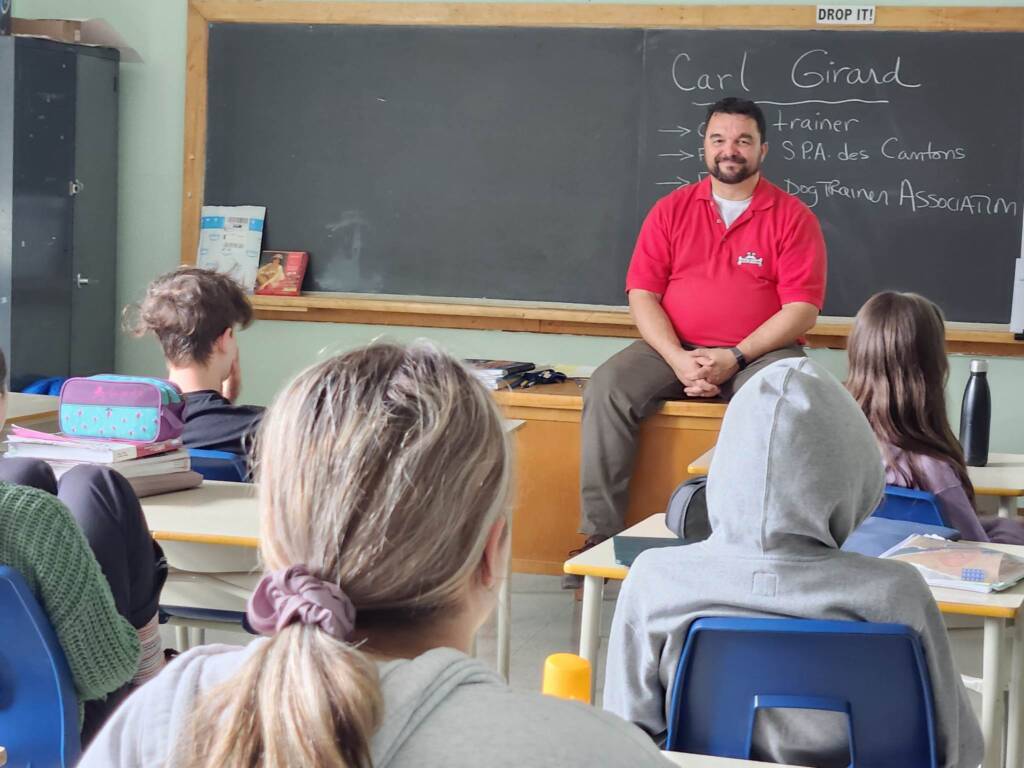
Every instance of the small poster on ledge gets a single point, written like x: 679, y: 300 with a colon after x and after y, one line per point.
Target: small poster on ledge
x: 229, y: 241
x: 281, y: 273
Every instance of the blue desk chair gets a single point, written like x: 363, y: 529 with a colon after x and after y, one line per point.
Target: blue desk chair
x: 874, y: 673
x: 38, y: 703
x: 48, y: 386
x: 218, y: 465
x: 910, y: 505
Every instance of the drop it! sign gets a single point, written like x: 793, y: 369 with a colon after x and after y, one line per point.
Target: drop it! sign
x: 845, y: 14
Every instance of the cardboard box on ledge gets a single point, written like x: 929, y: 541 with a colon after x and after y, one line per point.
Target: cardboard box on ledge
x: 78, y: 31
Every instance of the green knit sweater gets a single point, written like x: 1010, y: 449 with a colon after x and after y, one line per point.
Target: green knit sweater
x: 40, y: 538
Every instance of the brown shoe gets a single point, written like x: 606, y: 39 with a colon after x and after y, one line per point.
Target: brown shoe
x: 571, y: 580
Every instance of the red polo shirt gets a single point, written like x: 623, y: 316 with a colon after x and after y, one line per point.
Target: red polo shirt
x: 718, y: 285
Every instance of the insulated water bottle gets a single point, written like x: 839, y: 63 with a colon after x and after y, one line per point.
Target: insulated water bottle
x: 976, y: 416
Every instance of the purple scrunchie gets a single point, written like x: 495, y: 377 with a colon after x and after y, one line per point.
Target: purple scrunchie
x: 294, y: 594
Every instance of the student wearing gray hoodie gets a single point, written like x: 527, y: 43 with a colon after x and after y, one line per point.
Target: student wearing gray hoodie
x: 383, y: 480
x: 796, y: 470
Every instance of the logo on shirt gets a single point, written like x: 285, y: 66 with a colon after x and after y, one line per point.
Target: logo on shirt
x: 750, y: 258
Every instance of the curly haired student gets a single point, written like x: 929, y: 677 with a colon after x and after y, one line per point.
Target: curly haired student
x: 196, y: 313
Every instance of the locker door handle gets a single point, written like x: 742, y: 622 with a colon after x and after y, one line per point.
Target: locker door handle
x: 81, y: 281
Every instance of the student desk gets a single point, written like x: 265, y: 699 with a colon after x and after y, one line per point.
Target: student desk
x: 997, y: 609
x: 1003, y: 476
x: 547, y: 500
x: 210, y: 535
x: 34, y: 411
x: 687, y: 760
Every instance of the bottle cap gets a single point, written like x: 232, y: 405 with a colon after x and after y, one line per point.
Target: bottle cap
x: 567, y: 676
x: 979, y: 366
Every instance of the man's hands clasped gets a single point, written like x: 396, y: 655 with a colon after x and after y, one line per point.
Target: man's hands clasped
x: 701, y: 371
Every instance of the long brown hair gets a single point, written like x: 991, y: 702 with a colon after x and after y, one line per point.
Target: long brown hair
x: 897, y: 374
x: 383, y: 471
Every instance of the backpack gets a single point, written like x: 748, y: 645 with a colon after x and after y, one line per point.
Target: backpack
x: 687, y: 513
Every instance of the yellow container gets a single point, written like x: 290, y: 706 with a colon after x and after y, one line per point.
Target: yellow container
x: 567, y: 676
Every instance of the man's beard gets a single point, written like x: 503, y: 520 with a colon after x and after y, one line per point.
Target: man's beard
x: 745, y: 171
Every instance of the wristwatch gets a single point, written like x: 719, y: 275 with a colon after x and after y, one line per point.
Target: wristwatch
x: 741, y: 359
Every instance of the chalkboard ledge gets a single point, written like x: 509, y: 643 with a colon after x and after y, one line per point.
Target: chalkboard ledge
x: 961, y: 338
x: 580, y: 320
x: 480, y: 314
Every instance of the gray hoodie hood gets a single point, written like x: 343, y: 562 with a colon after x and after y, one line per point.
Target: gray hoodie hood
x: 414, y: 688
x: 796, y: 467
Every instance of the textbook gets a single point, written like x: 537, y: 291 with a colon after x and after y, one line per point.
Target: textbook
x: 281, y: 273
x: 627, y: 548
x: 154, y: 485
x: 44, y: 445
x: 494, y: 374
x: 161, y: 464
x: 959, y: 565
x: 497, y: 367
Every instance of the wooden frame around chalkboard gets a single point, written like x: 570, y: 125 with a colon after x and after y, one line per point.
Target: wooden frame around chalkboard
x: 521, y: 316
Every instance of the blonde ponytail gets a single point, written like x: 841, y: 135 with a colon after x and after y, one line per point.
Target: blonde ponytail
x: 381, y: 471
x: 302, y: 698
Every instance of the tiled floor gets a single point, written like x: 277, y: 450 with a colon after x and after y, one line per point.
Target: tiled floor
x: 546, y: 620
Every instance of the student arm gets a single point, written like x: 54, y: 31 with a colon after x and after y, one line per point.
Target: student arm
x: 960, y: 513
x: 101, y: 647
x: 632, y: 684
x: 957, y: 730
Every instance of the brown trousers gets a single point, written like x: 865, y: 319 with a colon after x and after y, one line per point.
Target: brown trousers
x: 624, y: 391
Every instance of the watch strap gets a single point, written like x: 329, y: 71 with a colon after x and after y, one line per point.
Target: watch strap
x: 741, y: 359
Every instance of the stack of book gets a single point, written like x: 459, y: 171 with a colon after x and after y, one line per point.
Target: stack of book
x: 959, y: 564
x: 148, y: 467
x: 498, y: 374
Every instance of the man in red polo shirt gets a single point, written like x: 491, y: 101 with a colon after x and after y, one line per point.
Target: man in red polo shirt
x: 727, y: 275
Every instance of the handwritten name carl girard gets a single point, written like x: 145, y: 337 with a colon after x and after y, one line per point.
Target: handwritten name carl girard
x: 811, y: 69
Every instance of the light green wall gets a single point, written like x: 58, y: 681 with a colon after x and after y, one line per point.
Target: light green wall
x: 152, y: 135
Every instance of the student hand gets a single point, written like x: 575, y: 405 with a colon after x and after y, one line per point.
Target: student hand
x: 721, y: 365
x: 231, y: 387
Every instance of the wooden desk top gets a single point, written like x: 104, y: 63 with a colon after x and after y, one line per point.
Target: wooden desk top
x: 568, y: 396
x: 215, y: 512
x: 212, y: 513
x: 25, y: 409
x: 600, y: 561
x: 1003, y: 476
